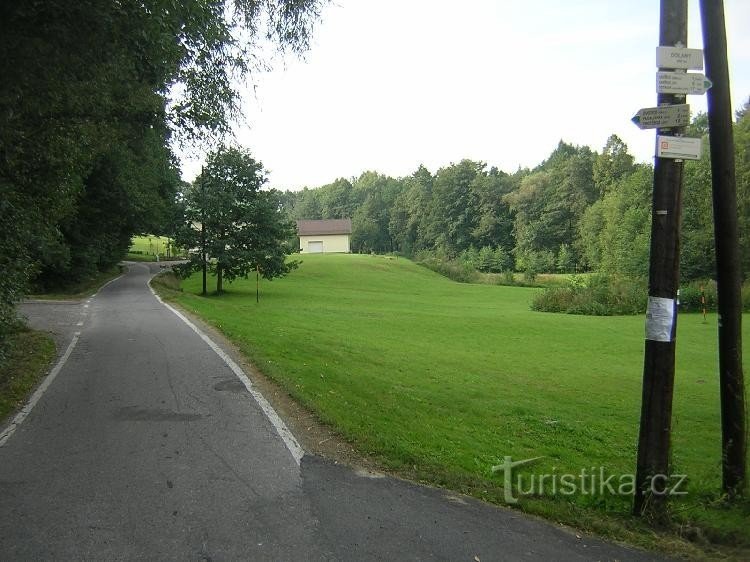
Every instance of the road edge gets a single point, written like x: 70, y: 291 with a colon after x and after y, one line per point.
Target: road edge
x: 290, y: 441
x: 38, y: 393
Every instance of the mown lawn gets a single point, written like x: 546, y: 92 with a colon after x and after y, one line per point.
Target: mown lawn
x: 439, y: 381
x: 146, y: 248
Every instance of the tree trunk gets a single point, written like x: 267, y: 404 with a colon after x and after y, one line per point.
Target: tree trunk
x: 219, y: 279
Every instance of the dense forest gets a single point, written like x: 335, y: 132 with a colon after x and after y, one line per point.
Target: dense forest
x: 579, y: 210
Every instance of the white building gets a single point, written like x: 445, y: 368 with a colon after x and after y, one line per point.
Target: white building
x: 324, y: 236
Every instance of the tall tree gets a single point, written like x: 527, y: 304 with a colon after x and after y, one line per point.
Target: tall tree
x: 626, y: 232
x: 551, y: 201
x: 409, y: 220
x: 455, y: 206
x: 697, y: 248
x: 612, y: 165
x: 337, y: 199
x: 495, y: 221
x: 370, y: 223
x: 244, y: 228
x: 742, y: 163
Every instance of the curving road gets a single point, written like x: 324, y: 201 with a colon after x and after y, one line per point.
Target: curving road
x: 147, y: 446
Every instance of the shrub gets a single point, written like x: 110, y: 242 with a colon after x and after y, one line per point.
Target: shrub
x: 690, y: 296
x: 599, y: 296
x: 501, y: 260
x: 470, y: 257
x: 529, y: 275
x: 455, y: 270
x: 486, y: 259
x: 167, y: 279
x: 565, y: 259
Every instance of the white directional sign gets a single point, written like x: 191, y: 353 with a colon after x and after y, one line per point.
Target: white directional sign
x: 682, y: 148
x: 678, y: 57
x: 681, y: 83
x: 662, y: 117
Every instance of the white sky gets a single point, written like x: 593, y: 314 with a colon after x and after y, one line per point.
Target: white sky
x: 391, y: 84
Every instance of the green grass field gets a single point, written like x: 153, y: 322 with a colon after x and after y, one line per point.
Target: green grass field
x: 439, y: 381
x: 145, y: 248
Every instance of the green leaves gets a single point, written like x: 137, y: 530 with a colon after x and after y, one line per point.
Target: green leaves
x: 240, y: 227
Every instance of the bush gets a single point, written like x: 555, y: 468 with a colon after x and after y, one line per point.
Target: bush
x: 167, y: 279
x: 470, y: 257
x: 690, y: 296
x: 608, y: 296
x: 486, y: 260
x: 455, y: 270
x: 507, y: 278
x: 600, y: 296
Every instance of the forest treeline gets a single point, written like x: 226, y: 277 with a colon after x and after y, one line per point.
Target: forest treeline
x: 579, y: 210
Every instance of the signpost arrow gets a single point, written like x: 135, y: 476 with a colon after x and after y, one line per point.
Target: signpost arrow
x: 681, y: 83
x: 662, y: 117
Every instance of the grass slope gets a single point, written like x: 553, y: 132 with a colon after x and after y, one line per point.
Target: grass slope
x: 440, y: 380
x: 30, y: 355
x: 146, y: 248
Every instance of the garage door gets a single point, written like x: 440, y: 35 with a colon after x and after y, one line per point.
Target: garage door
x: 315, y: 247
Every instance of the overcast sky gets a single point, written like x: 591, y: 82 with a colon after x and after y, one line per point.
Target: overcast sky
x: 391, y: 84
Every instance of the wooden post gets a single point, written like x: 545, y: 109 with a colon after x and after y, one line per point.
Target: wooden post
x: 728, y: 267
x: 203, y: 231
x: 661, y: 317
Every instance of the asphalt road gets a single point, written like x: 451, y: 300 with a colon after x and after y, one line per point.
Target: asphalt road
x: 147, y: 446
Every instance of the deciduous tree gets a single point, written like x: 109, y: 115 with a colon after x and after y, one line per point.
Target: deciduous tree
x: 243, y: 226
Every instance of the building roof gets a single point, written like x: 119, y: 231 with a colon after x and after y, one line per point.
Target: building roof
x: 318, y: 227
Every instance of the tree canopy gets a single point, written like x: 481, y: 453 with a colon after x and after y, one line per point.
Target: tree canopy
x: 93, y: 96
x: 579, y: 210
x: 230, y: 224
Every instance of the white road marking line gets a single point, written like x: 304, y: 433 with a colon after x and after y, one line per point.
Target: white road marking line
x: 107, y: 283
x: 281, y: 428
x: 26, y: 410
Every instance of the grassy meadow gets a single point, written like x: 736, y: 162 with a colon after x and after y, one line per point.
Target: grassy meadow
x: 438, y: 381
x: 146, y: 248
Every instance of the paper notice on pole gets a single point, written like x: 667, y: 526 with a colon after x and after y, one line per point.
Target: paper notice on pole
x: 659, y: 319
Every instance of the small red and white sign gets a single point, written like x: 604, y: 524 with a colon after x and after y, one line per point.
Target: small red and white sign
x: 679, y: 148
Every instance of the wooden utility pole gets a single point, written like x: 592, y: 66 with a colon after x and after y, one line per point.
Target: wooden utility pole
x: 661, y: 317
x: 728, y: 268
x: 203, y: 231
